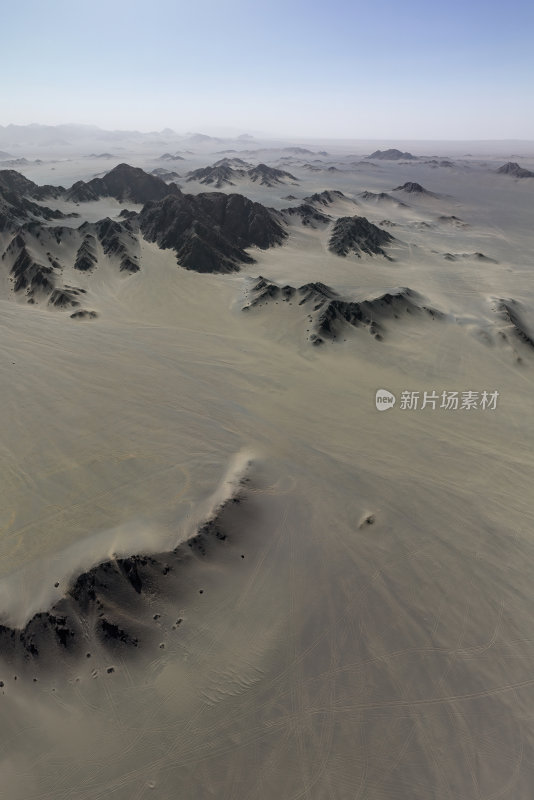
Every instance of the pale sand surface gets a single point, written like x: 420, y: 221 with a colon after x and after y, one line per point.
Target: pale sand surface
x: 338, y: 659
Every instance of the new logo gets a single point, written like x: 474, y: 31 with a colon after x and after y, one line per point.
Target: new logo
x: 384, y: 399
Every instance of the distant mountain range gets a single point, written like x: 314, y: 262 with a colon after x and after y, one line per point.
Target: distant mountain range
x: 392, y: 155
x: 84, y: 139
x: 171, y: 157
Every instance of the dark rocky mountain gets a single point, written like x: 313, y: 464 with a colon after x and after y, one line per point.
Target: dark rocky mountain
x: 171, y: 157
x: 392, y: 155
x: 36, y: 274
x: 86, y: 257
x: 226, y: 171
x: 309, y: 215
x: 209, y: 232
x: 269, y: 176
x: 13, y: 182
x: 218, y: 176
x: 410, y: 187
x: 16, y: 207
x: 30, y: 276
x: 470, y: 256
x: 83, y: 314
x: 16, y: 211
x: 512, y: 168
x: 512, y: 313
x: 371, y: 313
x: 27, y: 274
x: 81, y: 192
x: 327, y: 313
x: 380, y: 197
x: 66, y: 297
x: 111, y: 606
x: 326, y: 197
x: 117, y: 239
x: 309, y: 211
x: 124, y: 183
x: 452, y: 220
x: 263, y: 291
x: 357, y: 235
x: 235, y: 162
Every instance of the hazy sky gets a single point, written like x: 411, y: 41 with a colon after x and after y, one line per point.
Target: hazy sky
x: 333, y: 68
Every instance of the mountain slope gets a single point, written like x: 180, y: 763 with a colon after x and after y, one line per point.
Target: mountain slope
x: 512, y: 168
x: 357, y: 235
x: 17, y: 206
x: 209, y: 232
x: 226, y: 171
x: 328, y: 313
x: 124, y: 183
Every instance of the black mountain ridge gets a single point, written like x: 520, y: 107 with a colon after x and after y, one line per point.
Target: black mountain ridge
x: 392, y: 155
x: 225, y: 171
x: 328, y: 313
x: 357, y: 235
x: 124, y: 183
x: 209, y: 232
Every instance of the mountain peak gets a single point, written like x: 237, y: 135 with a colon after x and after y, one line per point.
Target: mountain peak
x: 512, y: 168
x: 123, y: 182
x: 412, y: 188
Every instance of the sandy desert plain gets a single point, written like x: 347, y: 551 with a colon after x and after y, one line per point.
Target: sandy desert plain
x: 224, y: 573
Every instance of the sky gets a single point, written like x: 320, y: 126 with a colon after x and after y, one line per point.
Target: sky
x: 322, y: 68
